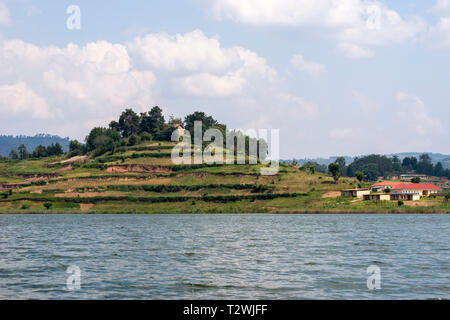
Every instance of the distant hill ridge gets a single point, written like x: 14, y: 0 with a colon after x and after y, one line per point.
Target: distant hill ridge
x: 435, y: 158
x: 9, y: 142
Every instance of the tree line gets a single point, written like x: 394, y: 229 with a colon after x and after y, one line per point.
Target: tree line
x: 131, y: 129
x: 371, y: 167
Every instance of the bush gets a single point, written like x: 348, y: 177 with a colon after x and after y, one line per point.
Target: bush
x: 145, y: 136
x: 134, y: 140
x: 48, y: 205
x: 400, y: 203
x: 25, y: 207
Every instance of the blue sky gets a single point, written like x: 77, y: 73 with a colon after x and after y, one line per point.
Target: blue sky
x: 345, y: 77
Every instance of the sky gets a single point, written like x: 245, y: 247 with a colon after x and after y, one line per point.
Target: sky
x: 336, y: 77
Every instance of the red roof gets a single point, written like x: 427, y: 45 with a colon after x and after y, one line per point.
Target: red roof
x: 415, y: 186
x: 387, y: 183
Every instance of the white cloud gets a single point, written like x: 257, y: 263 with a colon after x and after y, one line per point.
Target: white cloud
x: 441, y: 7
x: 190, y: 52
x: 314, y: 69
x: 4, y: 14
x: 95, y: 81
x: 20, y: 100
x: 354, y: 51
x: 205, y: 84
x: 211, y: 69
x: 414, y: 113
x: 353, y: 23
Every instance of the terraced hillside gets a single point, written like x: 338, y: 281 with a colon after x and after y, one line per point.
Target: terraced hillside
x: 143, y: 179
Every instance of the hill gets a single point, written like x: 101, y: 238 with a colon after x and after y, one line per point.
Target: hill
x: 7, y: 143
x: 143, y: 179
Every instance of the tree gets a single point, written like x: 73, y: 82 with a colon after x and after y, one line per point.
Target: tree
x: 396, y: 164
x: 13, y: 155
x: 40, y: 152
x: 153, y: 122
x: 102, y: 140
x: 76, y: 148
x: 54, y: 150
x: 133, y: 140
x: 439, y: 170
x: 114, y: 125
x: 425, y: 166
x: 128, y: 123
x: 342, y: 168
x: 207, y: 122
x: 359, y: 175
x: 415, y: 180
x: 334, y: 169
x: 447, y: 196
x: 23, y: 152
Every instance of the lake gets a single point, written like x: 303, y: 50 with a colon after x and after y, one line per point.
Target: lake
x: 224, y: 256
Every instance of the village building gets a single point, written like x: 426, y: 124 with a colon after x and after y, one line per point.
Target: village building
x: 412, y: 176
x: 423, y: 189
x: 355, y: 193
x: 377, y: 197
x: 405, y: 196
x: 381, y: 186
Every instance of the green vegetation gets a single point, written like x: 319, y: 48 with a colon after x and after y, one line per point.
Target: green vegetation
x: 127, y: 168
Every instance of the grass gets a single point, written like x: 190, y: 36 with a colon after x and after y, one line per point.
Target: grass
x: 181, y: 189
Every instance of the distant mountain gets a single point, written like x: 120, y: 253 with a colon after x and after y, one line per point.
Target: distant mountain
x: 7, y: 143
x: 435, y: 158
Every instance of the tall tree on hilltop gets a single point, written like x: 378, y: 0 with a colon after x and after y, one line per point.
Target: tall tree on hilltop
x: 152, y: 122
x: 128, y: 123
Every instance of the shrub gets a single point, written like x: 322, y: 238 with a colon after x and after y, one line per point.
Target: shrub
x: 25, y: 207
x: 134, y: 140
x: 400, y: 203
x: 48, y: 205
x: 145, y: 136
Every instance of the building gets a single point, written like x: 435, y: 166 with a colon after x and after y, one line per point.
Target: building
x: 355, y: 193
x: 412, y: 176
x: 381, y: 186
x: 377, y: 197
x: 423, y: 189
x: 405, y: 196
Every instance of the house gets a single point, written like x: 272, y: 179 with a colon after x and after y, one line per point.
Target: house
x: 179, y: 128
x: 355, y: 193
x: 423, y: 189
x: 381, y: 186
x: 405, y: 196
x: 377, y: 197
x: 412, y: 176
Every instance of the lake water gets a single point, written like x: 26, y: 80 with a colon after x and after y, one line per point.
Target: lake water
x: 224, y: 256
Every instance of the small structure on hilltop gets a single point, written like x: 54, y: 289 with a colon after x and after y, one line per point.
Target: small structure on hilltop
x: 355, y: 193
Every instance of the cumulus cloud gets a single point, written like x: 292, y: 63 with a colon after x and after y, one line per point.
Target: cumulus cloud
x: 441, y: 7
x: 4, y: 14
x: 200, y: 65
x: 95, y: 81
x: 312, y: 68
x: 414, y: 113
x: 18, y: 99
x: 355, y: 24
x: 85, y: 85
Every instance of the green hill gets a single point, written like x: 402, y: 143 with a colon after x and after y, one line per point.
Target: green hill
x: 143, y: 179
